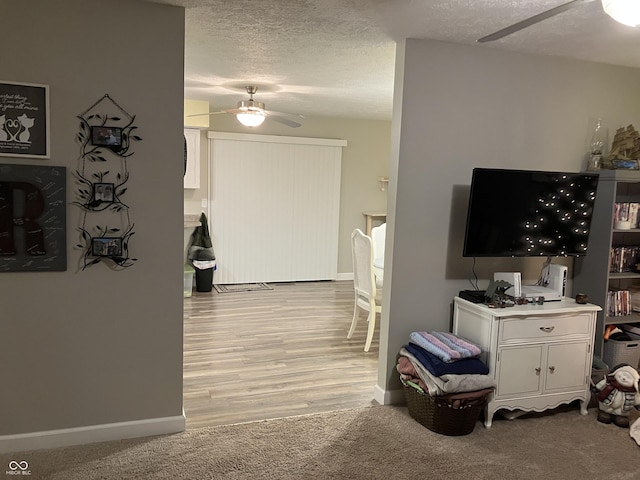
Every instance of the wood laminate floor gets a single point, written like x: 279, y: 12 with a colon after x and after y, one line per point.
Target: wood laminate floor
x: 274, y: 353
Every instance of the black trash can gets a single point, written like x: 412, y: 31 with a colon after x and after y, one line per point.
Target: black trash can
x: 204, y: 279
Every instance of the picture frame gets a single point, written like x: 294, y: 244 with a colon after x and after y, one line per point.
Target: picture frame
x: 24, y: 120
x: 626, y: 164
x: 106, y: 136
x: 106, y: 247
x: 33, y: 226
x: 103, y: 192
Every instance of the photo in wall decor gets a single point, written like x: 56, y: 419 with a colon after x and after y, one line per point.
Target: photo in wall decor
x: 24, y: 120
x: 32, y: 218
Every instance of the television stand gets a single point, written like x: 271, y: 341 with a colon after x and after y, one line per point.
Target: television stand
x: 538, y: 355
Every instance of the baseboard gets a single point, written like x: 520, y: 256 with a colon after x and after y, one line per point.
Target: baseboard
x: 92, y: 434
x: 345, y: 276
x: 388, y: 397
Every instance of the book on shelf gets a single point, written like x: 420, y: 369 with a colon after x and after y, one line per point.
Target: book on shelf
x: 634, y: 297
x: 627, y: 211
x: 618, y: 303
x: 620, y: 212
x: 624, y: 258
x: 634, y: 219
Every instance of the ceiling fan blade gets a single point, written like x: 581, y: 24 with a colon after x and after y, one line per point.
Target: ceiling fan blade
x: 285, y: 121
x: 210, y: 113
x: 234, y: 111
x: 283, y: 114
x: 279, y: 117
x: 531, y: 21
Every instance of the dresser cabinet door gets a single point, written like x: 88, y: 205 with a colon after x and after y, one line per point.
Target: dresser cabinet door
x: 566, y: 366
x: 519, y: 371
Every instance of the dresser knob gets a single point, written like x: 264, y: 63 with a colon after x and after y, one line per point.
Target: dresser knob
x: 547, y: 329
x: 552, y: 369
x: 538, y: 371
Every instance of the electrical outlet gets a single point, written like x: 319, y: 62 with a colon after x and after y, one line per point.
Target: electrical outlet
x: 204, y: 203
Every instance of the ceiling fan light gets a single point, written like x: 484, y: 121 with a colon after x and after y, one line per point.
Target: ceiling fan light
x: 626, y: 12
x: 250, y: 118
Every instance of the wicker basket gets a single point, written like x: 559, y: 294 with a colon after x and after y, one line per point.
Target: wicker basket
x: 440, y: 416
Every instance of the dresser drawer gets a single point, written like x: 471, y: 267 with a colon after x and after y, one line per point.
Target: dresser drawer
x: 553, y: 327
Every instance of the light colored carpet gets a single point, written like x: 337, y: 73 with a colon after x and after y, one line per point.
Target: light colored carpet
x: 242, y: 287
x: 367, y: 443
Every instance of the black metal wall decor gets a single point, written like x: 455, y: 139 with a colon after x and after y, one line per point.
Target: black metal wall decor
x: 33, y: 208
x: 106, y: 136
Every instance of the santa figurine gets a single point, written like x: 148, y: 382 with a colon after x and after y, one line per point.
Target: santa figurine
x: 618, y: 393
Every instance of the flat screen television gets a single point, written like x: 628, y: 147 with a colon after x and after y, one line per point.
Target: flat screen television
x: 525, y: 213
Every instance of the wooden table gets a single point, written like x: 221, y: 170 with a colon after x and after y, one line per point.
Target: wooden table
x: 370, y: 217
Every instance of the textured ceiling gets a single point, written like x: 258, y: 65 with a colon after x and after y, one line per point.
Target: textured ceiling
x: 336, y: 57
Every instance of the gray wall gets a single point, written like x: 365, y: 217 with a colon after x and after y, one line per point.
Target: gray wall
x: 364, y: 159
x: 459, y: 107
x: 81, y: 348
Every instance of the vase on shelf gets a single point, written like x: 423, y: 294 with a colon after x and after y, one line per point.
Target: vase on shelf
x: 594, y: 162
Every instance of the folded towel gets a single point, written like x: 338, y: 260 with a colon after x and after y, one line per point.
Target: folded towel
x: 445, y: 346
x: 438, y: 367
x: 448, y: 383
x: 409, y: 373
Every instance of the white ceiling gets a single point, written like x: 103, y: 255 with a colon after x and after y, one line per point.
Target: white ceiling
x: 336, y: 57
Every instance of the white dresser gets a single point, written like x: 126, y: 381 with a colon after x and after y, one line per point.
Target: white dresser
x: 539, y: 355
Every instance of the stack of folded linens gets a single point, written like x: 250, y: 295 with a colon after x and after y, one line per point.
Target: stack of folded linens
x: 441, y: 369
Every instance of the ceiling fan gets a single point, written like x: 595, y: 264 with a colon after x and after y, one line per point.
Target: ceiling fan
x: 626, y: 12
x: 252, y: 113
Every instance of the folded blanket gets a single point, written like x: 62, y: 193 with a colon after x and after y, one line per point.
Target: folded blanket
x: 408, y: 373
x: 448, y: 383
x: 468, y: 395
x: 445, y: 346
x: 437, y: 367
x: 454, y: 400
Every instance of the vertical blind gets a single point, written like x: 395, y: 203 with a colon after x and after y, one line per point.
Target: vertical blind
x: 274, y: 207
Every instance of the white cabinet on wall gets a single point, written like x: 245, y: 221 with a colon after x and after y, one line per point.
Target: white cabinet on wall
x: 192, y: 155
x: 539, y: 355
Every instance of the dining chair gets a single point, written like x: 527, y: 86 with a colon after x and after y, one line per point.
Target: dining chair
x: 378, y: 236
x: 367, y: 295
